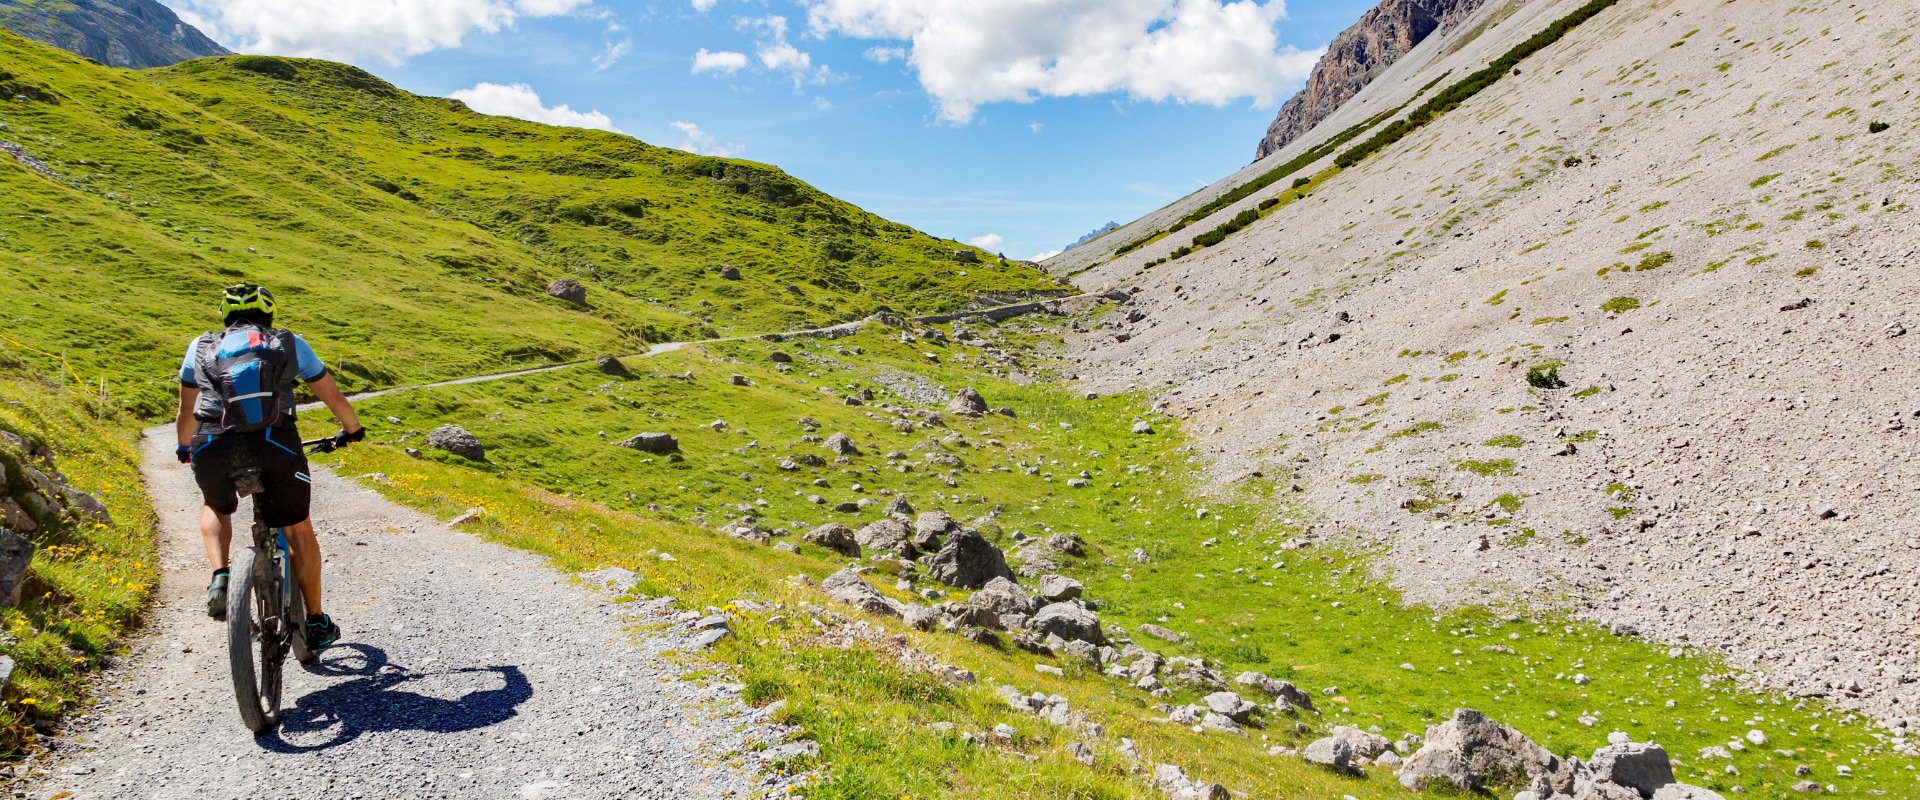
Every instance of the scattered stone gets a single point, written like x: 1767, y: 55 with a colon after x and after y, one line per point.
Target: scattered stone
x: 569, y: 290
x: 1469, y: 750
x: 836, y: 537
x: 1365, y: 745
x: 1681, y: 791
x: 1280, y: 690
x: 1143, y: 428
x: 730, y: 273
x: 967, y: 403
x: 611, y: 366
x: 1331, y: 752
x: 1060, y: 587
x: 456, y: 440
x: 1068, y: 621
x: 930, y: 526
x: 16, y: 555
x: 791, y: 751
x: 1081, y: 752
x: 967, y: 560
x: 1231, y: 705
x: 1158, y: 632
x: 888, y: 536
x: 899, y: 507
x: 659, y: 443
x: 1641, y: 767
x: 841, y: 444
x: 848, y: 587
x: 779, y: 357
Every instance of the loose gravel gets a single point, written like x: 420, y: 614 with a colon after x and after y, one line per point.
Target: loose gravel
x: 468, y: 669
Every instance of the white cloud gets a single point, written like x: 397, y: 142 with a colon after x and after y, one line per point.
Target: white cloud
x: 612, y: 53
x: 989, y: 241
x: 359, y: 29
x: 1042, y: 256
x: 886, y: 55
x: 725, y: 62
x: 1035, y: 126
x: 968, y: 54
x: 521, y: 101
x: 778, y: 55
x: 704, y: 6
x: 699, y: 141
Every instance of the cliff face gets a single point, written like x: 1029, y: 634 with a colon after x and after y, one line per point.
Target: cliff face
x: 1380, y: 37
x: 119, y: 33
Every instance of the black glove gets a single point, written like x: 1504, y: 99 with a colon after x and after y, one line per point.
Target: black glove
x: 184, y: 453
x: 344, y: 438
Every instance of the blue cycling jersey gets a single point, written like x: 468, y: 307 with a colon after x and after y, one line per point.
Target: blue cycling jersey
x: 311, y: 367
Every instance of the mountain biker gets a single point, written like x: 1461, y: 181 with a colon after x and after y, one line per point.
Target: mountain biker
x: 236, y: 398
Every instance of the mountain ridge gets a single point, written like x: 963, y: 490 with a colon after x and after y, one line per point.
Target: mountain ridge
x: 136, y: 34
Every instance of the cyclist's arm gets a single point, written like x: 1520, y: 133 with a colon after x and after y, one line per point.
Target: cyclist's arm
x: 329, y: 394
x: 183, y: 422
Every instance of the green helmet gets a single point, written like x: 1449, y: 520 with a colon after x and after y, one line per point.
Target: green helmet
x: 244, y: 297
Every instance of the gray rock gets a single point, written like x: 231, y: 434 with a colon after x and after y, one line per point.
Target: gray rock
x: 1642, y: 767
x: 779, y: 357
x: 1158, y: 632
x: 611, y: 366
x: 967, y: 403
x: 1807, y: 787
x: 1231, y: 706
x: 569, y: 290
x: 930, y: 526
x: 16, y: 555
x: 1681, y: 791
x: 86, y: 506
x: 836, y: 537
x: 711, y: 637
x: 1142, y: 428
x: 886, y: 535
x: 1060, y: 587
x: 1331, y: 752
x: 899, y: 507
x: 1603, y: 790
x: 968, y: 560
x: 660, y: 443
x: 791, y: 751
x: 998, y: 598
x: 456, y: 440
x: 848, y: 587
x: 1171, y: 780
x: 730, y: 273
x: 1068, y: 621
x: 15, y: 517
x: 1365, y: 745
x: 1292, y: 696
x: 1208, y: 791
x: 841, y: 444
x: 1081, y: 752
x: 1470, y: 750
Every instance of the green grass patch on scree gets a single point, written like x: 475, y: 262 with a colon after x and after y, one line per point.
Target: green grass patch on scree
x: 408, y: 237
x: 1315, y: 616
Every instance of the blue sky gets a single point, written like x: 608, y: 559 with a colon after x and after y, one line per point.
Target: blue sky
x: 1018, y: 124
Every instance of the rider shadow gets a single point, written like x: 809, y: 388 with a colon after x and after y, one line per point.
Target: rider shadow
x: 376, y: 702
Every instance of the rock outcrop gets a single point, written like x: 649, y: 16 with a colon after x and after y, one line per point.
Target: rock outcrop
x: 137, y: 34
x: 1470, y: 752
x: 458, y: 441
x: 1354, y: 57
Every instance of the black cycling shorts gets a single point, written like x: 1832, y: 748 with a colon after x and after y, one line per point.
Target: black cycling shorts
x: 288, y: 487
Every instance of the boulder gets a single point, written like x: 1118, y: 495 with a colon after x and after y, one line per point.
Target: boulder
x: 611, y: 366
x: 569, y: 290
x: 998, y: 598
x: 886, y: 535
x: 1230, y: 705
x: 85, y: 506
x: 1602, y: 790
x: 1365, y: 745
x: 968, y: 403
x: 456, y: 440
x: 1158, y: 632
x: 1068, y: 621
x: 661, y: 443
x: 966, y: 256
x: 1470, y: 751
x: 848, y: 587
x: 1143, y: 428
x: 1279, y: 690
x: 16, y: 555
x: 1060, y: 587
x: 1681, y: 791
x: 836, y: 537
x: 930, y: 526
x: 967, y: 560
x: 899, y: 507
x: 1331, y: 752
x: 780, y: 357
x: 841, y: 444
x: 1641, y: 767
x: 730, y: 273
x: 13, y: 516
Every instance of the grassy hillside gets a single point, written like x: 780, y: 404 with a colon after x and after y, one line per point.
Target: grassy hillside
x: 1224, y: 576
x: 408, y: 237
x: 89, y: 580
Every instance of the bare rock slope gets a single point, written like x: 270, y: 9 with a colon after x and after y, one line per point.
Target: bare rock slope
x: 1356, y: 56
x: 1627, y: 331
x: 117, y: 33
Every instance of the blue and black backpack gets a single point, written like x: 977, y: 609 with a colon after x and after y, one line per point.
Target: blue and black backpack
x: 251, y: 372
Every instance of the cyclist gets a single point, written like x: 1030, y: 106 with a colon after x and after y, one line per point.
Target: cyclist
x: 236, y: 397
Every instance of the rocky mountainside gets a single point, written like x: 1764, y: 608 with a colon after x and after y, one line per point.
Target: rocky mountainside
x: 118, y: 33
x: 1358, y: 54
x: 1620, y: 327
x: 1092, y: 235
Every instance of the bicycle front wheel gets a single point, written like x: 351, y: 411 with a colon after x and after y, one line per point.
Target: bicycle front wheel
x: 256, y: 637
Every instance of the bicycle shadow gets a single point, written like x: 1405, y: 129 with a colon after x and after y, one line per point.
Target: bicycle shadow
x: 375, y: 702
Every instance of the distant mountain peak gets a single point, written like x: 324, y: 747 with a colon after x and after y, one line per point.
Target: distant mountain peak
x: 118, y: 33
x: 1095, y: 234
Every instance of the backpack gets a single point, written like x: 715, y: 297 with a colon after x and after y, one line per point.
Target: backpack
x: 250, y: 374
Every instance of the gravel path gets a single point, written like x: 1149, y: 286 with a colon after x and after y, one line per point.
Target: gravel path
x: 468, y: 669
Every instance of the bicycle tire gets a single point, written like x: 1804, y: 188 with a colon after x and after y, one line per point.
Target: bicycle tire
x: 253, y: 645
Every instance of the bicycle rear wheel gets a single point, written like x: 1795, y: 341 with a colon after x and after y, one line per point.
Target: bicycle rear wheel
x: 256, y: 637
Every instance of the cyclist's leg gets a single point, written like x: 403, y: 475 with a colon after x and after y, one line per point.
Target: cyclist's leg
x: 306, y: 562
x: 216, y: 532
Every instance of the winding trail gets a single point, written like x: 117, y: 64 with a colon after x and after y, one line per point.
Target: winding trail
x: 468, y: 669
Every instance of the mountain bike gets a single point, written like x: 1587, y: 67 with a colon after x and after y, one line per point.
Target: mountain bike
x: 266, y: 614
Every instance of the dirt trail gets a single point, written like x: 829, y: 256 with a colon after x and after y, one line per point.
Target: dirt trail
x: 468, y: 669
